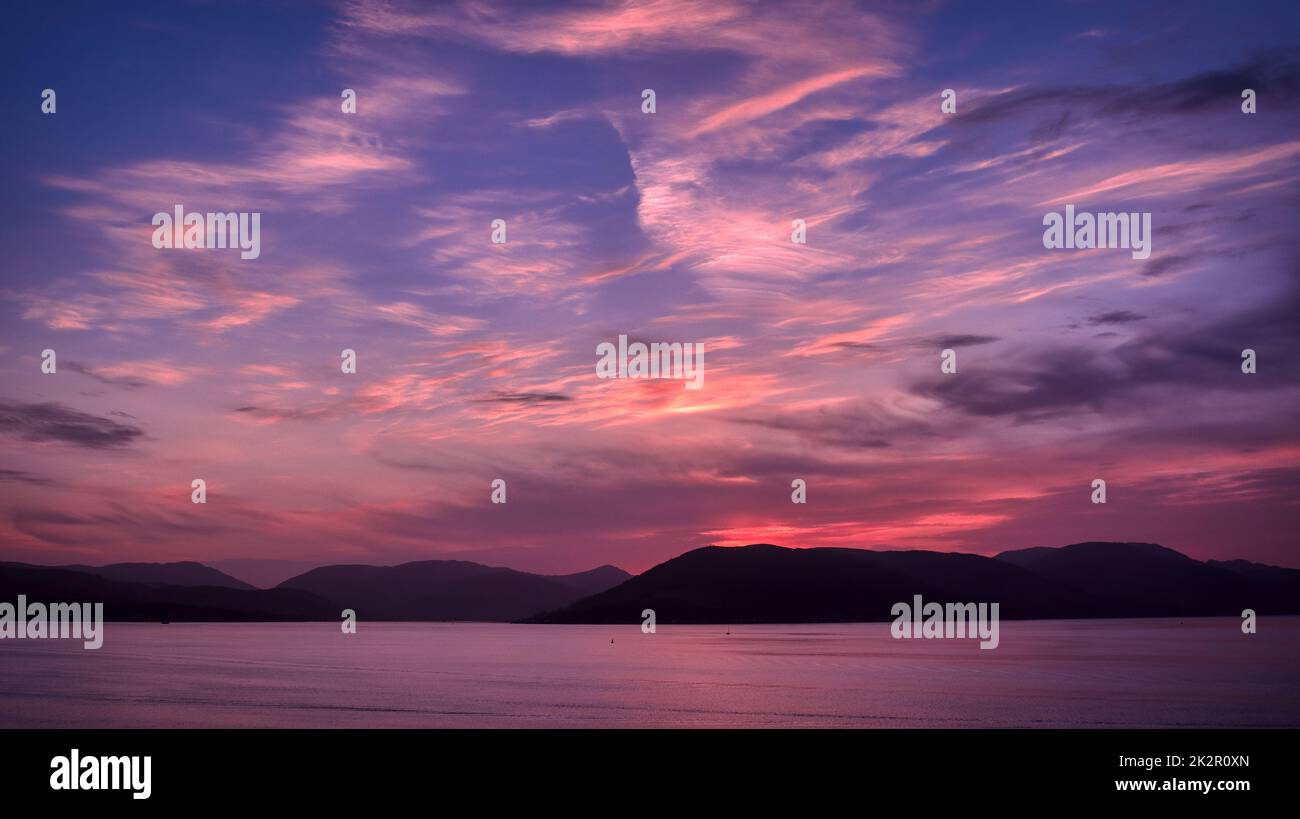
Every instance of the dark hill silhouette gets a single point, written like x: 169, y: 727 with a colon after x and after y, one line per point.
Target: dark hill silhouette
x: 593, y: 581
x: 139, y: 601
x: 427, y: 590
x: 761, y: 583
x: 186, y: 573
x: 1285, y: 581
x: 1146, y: 580
x: 449, y: 590
x: 771, y: 584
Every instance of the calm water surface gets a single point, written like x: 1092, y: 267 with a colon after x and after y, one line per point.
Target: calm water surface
x: 1200, y: 672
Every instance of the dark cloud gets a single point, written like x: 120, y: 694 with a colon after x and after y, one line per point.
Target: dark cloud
x: 528, y: 397
x: 1054, y: 382
x: 117, y: 381
x: 861, y: 345
x: 918, y: 343
x: 1198, y: 227
x: 1165, y: 264
x: 134, y: 525
x: 1115, y: 317
x: 1277, y: 76
x: 860, y: 426
x: 1061, y: 381
x: 19, y: 476
x: 961, y: 340
x: 277, y: 414
x: 1052, y: 129
x: 55, y: 422
x: 418, y: 466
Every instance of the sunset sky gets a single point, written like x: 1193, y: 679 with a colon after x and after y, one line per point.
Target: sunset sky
x: 477, y: 361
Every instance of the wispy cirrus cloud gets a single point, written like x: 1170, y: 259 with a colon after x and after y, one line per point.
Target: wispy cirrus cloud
x: 476, y: 360
x: 133, y: 374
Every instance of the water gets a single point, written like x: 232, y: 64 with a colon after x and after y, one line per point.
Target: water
x: 1199, y: 672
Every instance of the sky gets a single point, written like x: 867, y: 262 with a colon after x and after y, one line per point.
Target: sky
x: 476, y: 361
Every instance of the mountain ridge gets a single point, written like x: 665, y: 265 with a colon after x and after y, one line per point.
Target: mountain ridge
x: 179, y: 573
x: 432, y: 590
x: 449, y: 589
x: 759, y: 583
x: 764, y: 583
